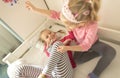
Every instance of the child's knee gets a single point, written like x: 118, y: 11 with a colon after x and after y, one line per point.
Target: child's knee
x: 109, y: 53
x: 112, y: 52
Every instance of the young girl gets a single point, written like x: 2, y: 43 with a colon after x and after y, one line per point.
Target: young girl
x: 80, y: 17
x: 58, y: 65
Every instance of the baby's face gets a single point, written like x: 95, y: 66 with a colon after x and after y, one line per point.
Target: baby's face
x: 48, y: 36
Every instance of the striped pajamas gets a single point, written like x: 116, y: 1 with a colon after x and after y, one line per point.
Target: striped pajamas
x: 58, y: 66
x: 26, y: 71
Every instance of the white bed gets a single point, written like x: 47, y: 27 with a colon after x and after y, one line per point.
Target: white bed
x: 31, y: 52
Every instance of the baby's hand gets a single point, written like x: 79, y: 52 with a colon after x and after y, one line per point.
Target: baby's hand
x: 29, y: 5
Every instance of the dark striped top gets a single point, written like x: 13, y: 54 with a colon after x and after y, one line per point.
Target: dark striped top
x: 58, y: 63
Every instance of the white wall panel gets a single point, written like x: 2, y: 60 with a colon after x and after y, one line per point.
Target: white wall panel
x: 110, y: 14
x: 20, y: 19
x: 55, y: 4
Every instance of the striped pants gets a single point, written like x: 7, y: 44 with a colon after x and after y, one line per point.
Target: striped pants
x: 27, y: 71
x: 24, y: 71
x: 58, y: 66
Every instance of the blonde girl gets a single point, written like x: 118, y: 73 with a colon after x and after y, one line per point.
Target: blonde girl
x: 80, y: 17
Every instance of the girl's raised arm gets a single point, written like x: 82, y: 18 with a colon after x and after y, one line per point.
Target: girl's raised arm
x: 45, y: 12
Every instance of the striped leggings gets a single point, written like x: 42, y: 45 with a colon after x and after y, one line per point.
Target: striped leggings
x: 26, y: 71
x: 58, y: 66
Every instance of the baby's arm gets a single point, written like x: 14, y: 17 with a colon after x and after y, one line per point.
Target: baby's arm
x: 54, y: 58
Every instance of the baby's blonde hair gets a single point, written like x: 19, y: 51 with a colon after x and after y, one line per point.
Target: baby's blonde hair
x: 41, y: 34
x: 80, y: 6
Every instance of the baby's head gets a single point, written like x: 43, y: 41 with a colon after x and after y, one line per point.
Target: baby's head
x: 47, y: 36
x: 79, y: 11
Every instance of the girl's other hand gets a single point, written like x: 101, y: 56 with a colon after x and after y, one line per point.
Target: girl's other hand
x: 29, y: 5
x: 61, y: 49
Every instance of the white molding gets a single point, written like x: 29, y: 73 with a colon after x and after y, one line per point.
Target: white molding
x: 109, y: 34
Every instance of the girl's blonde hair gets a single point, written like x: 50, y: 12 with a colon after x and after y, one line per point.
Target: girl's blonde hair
x: 79, y: 7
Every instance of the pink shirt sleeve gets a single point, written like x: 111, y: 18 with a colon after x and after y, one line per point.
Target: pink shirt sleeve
x: 90, y: 37
x: 55, y: 15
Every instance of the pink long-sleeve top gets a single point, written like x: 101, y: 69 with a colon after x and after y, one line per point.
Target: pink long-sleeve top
x: 85, y: 36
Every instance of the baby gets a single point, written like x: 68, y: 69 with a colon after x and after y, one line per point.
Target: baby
x: 58, y: 65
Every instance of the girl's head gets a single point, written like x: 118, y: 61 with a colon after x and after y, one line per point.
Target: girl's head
x: 80, y: 11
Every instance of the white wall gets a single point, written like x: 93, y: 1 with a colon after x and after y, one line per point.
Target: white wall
x: 20, y: 19
x: 110, y: 14
x: 55, y: 4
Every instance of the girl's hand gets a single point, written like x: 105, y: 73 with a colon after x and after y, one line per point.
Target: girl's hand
x: 61, y: 49
x: 29, y: 5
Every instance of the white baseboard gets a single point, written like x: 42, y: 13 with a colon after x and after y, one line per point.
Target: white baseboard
x: 109, y: 35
